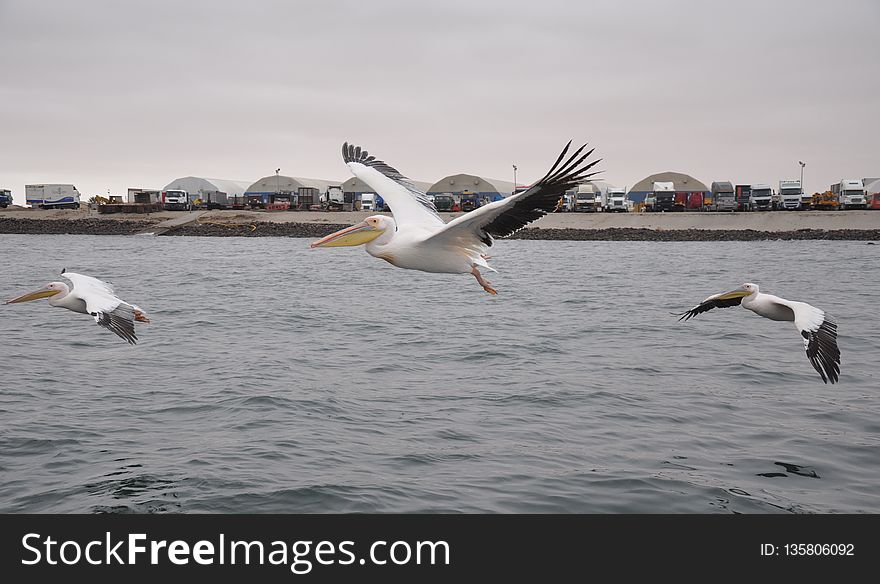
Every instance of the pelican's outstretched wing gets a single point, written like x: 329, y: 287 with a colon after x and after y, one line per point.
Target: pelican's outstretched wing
x: 724, y: 300
x: 109, y: 311
x: 819, y: 330
x: 409, y: 204
x: 476, y: 229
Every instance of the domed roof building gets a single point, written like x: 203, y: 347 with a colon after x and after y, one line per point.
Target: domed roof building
x: 684, y: 183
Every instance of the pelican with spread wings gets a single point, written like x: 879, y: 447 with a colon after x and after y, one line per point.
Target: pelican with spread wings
x: 91, y: 296
x: 817, y: 327
x: 416, y: 238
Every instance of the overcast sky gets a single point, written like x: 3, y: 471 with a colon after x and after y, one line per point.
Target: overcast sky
x: 117, y: 94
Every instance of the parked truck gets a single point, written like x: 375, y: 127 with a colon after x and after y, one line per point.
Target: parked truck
x: 850, y: 194
x: 469, y: 201
x: 587, y: 199
x: 444, y: 202
x: 5, y: 198
x: 761, y: 198
x: 52, y: 196
x: 743, y: 194
x: 664, y: 196
x: 368, y: 202
x: 723, y: 196
x: 790, y: 195
x: 616, y: 202
x: 333, y: 199
x: 176, y: 200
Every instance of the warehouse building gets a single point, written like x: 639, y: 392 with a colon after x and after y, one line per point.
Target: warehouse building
x: 486, y: 188
x: 298, y: 191
x: 684, y: 183
x: 202, y: 188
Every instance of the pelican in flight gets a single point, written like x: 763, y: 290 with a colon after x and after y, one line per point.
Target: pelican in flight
x: 418, y: 239
x: 91, y: 296
x: 817, y: 327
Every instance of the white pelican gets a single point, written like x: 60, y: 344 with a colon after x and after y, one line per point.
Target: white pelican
x: 418, y: 239
x: 818, y: 328
x: 91, y: 296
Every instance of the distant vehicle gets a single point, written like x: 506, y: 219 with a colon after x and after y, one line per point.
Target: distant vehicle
x: 806, y: 199
x: 874, y: 201
x: 790, y: 195
x: 850, y: 194
x: 5, y: 198
x: 649, y: 202
x: 368, y: 202
x: 743, y: 197
x: 54, y: 196
x: 826, y: 201
x: 176, y: 200
x: 380, y: 204
x: 761, y: 198
x: 664, y: 196
x: 215, y: 200
x: 333, y: 199
x: 586, y: 199
x: 469, y: 202
x: 723, y: 196
x: 695, y: 201
x: 567, y: 203
x: 444, y: 202
x: 616, y: 201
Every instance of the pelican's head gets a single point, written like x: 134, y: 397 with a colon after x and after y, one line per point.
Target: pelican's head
x: 364, y: 232
x: 50, y: 289
x: 750, y: 288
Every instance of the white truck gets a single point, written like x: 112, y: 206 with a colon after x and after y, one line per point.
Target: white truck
x: 368, y: 202
x: 850, y: 194
x: 586, y: 199
x: 761, y: 198
x: 176, y: 200
x: 616, y: 202
x: 54, y: 196
x: 790, y: 195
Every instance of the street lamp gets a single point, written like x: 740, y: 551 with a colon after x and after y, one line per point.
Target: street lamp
x: 514, y: 179
x: 803, y: 164
x: 277, y: 184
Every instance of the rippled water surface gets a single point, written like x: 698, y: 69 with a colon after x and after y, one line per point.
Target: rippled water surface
x: 275, y: 378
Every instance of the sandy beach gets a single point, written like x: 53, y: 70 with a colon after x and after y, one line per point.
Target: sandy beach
x: 860, y: 225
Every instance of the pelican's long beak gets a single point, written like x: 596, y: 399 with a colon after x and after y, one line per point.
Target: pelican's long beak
x: 35, y: 295
x: 738, y: 293
x: 358, y: 234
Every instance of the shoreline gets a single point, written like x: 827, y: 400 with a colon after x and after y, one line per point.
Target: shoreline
x: 130, y: 226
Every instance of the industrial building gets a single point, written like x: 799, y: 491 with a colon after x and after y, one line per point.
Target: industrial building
x: 298, y: 191
x: 684, y: 183
x: 485, y: 188
x: 199, y: 187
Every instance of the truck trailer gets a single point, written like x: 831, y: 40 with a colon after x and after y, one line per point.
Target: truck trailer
x: 743, y: 194
x: 52, y: 196
x: 850, y: 194
x: 175, y: 200
x: 586, y: 199
x: 617, y: 201
x: 761, y: 198
x: 790, y: 195
x: 664, y: 196
x: 723, y: 196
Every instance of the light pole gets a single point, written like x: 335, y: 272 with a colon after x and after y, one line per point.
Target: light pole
x: 802, y: 176
x: 277, y: 184
x: 514, y: 179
